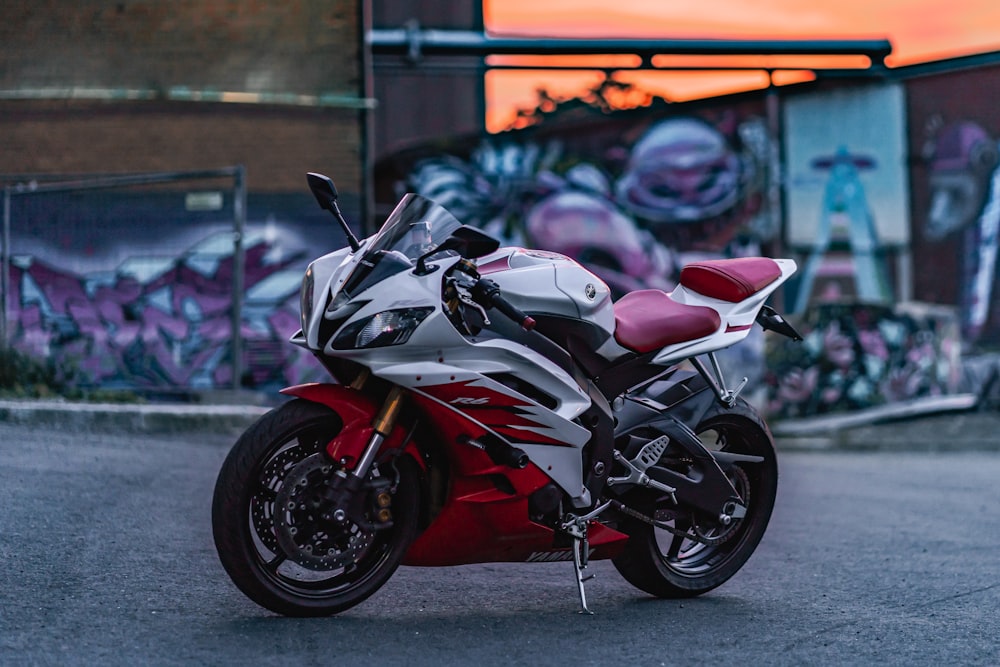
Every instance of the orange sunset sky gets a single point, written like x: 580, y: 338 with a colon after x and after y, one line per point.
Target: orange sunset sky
x: 920, y: 30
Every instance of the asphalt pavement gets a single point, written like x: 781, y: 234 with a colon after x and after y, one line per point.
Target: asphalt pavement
x: 871, y: 558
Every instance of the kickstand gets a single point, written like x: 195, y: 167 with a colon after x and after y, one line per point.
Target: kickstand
x: 581, y: 553
x: 576, y: 528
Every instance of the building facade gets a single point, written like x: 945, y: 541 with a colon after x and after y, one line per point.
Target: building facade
x: 868, y: 182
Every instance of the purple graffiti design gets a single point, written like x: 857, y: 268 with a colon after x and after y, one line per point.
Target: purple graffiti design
x: 171, y: 329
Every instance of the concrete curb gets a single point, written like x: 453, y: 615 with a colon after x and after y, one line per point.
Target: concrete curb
x: 131, y: 418
x: 953, y: 428
x: 940, y: 423
x: 951, y: 432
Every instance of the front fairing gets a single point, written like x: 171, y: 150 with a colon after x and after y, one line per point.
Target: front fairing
x: 341, y: 285
x: 436, y: 361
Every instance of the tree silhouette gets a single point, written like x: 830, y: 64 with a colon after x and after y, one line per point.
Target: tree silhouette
x: 607, y: 96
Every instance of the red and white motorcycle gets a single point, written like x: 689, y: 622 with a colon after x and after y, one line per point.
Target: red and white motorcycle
x: 493, y: 404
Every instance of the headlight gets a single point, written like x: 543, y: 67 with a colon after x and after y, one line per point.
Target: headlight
x: 306, y: 300
x: 390, y: 327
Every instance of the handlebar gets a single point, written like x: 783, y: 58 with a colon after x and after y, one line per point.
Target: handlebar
x: 487, y: 294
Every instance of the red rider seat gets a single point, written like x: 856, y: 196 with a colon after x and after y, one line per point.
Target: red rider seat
x: 730, y: 280
x: 649, y: 319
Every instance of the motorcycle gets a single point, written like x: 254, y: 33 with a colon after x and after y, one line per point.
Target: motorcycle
x: 494, y: 405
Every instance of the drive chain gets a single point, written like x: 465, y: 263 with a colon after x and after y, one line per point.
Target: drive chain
x: 693, y: 536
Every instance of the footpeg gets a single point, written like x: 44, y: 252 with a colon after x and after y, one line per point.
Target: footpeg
x: 637, y: 467
x: 650, y: 453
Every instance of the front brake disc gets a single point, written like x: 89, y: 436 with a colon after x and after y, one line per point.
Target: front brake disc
x: 304, y: 526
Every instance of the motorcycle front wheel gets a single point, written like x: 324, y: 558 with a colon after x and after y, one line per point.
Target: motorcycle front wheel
x: 697, y: 553
x: 273, y: 523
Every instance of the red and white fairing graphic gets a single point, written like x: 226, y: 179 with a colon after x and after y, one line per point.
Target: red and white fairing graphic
x: 552, y: 442
x: 486, y: 515
x: 507, y: 414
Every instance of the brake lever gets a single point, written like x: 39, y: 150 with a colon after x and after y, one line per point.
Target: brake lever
x: 465, y: 296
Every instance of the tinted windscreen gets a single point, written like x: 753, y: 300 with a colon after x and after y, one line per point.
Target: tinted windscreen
x: 414, y: 227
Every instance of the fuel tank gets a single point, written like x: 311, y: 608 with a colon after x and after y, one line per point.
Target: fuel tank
x: 547, y: 283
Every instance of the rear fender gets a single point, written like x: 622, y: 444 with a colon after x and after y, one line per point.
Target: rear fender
x: 357, y: 412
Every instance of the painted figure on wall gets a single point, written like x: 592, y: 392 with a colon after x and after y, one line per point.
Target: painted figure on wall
x: 847, y: 193
x: 682, y: 170
x: 845, y: 220
x: 964, y: 180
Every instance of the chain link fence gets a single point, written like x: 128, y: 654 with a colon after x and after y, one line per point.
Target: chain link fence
x: 149, y: 281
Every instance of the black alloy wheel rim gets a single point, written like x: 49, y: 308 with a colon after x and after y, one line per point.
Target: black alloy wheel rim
x: 298, y: 576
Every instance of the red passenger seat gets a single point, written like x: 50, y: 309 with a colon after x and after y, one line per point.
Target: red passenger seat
x: 731, y: 280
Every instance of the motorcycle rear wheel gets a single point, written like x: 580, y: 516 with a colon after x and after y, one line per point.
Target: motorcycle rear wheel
x: 259, y: 526
x: 668, y: 565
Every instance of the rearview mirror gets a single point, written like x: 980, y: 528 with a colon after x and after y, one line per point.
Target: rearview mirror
x: 323, y: 189
x: 326, y: 194
x: 472, y: 243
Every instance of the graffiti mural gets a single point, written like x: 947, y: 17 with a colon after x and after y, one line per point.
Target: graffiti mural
x: 847, y: 194
x: 964, y: 182
x: 635, y: 197
x: 684, y: 187
x: 681, y: 170
x: 857, y: 356
x: 632, y: 196
x: 866, y: 342
x: 954, y: 133
x: 160, y: 316
x: 845, y: 220
x: 162, y: 321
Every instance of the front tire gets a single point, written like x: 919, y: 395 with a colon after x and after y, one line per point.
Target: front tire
x: 273, y: 533
x: 669, y: 565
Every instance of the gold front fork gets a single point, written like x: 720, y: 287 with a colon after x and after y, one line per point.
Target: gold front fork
x: 382, y: 426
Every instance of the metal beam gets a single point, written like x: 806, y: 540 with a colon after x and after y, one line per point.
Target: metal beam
x: 186, y: 94
x: 239, y: 267
x: 106, y: 181
x: 414, y: 43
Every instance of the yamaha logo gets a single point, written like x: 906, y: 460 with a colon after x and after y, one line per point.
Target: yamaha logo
x: 590, y: 291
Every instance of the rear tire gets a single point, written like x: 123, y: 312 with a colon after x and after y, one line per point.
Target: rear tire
x: 668, y: 566
x: 285, y: 556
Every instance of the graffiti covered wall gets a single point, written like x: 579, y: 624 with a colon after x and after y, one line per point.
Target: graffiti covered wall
x: 846, y: 192
x: 132, y: 290
x: 632, y: 195
x: 954, y: 129
x: 848, y: 210
x: 857, y: 356
x: 635, y: 196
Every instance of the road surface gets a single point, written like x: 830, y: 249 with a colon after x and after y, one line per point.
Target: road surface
x: 871, y: 556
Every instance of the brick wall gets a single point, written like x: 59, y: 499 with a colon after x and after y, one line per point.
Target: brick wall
x: 278, y: 145
x: 301, y: 47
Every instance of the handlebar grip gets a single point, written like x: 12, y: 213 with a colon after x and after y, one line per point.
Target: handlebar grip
x: 523, y: 320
